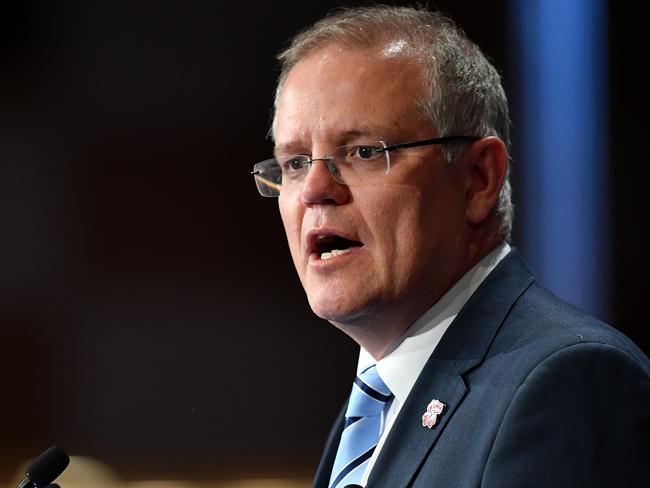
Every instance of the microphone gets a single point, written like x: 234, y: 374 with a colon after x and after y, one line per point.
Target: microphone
x: 45, y: 469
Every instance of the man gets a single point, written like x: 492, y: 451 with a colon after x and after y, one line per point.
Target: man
x: 391, y: 168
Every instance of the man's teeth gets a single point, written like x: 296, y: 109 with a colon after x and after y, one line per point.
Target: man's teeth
x: 334, y: 253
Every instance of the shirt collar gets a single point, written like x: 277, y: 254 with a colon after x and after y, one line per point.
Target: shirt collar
x: 400, y: 368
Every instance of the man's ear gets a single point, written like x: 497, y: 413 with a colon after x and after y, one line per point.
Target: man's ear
x: 486, y: 163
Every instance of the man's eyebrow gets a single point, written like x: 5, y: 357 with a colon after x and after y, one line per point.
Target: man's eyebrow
x: 341, y: 139
x: 364, y: 131
x: 288, y: 148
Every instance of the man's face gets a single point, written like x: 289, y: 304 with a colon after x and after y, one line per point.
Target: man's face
x: 407, y: 228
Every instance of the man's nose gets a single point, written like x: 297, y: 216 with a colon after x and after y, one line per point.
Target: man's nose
x: 320, y: 185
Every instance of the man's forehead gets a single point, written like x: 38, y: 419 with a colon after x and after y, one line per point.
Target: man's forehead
x: 339, y: 96
x: 347, y: 67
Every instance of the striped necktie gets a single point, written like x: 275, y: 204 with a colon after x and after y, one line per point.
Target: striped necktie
x: 362, y: 428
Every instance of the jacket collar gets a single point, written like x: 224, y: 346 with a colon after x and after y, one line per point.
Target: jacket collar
x: 462, y: 348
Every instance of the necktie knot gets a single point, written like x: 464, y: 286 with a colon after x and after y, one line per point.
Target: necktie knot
x: 369, y: 394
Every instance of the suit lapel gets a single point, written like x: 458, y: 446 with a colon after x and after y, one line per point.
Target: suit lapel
x: 462, y: 348
x: 409, y: 441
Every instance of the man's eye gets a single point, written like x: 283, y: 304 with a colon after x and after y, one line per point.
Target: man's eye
x: 293, y: 164
x: 364, y: 152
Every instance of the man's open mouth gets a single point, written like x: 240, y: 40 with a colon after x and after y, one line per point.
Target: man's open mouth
x: 330, y: 246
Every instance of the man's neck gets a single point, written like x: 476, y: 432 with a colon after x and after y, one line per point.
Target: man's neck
x: 376, y: 332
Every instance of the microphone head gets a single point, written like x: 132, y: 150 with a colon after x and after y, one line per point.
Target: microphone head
x: 48, y: 466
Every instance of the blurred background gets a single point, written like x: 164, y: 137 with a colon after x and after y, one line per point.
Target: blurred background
x: 150, y: 316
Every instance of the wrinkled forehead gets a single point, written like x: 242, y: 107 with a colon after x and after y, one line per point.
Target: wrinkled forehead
x: 337, y: 88
x: 388, y: 47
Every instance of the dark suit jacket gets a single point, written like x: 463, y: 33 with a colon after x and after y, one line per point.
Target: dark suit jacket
x: 537, y: 393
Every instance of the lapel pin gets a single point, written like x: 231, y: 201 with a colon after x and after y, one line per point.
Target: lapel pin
x: 434, y: 409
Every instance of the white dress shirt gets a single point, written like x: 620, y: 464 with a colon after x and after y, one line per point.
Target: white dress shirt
x: 400, y: 368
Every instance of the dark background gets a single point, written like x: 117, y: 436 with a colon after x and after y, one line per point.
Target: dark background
x: 150, y: 315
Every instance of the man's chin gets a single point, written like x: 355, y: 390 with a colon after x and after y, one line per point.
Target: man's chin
x: 342, y: 299
x: 340, y: 312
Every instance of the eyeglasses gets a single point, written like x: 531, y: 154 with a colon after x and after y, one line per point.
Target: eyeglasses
x: 353, y: 164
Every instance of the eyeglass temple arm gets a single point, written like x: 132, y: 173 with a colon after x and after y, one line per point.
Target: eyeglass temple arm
x: 426, y: 142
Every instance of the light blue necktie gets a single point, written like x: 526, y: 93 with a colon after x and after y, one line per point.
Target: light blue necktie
x: 362, y: 427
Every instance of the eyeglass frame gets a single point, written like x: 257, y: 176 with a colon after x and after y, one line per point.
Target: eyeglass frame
x: 386, y: 149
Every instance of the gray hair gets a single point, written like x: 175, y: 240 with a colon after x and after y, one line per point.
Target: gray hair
x: 463, y: 95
